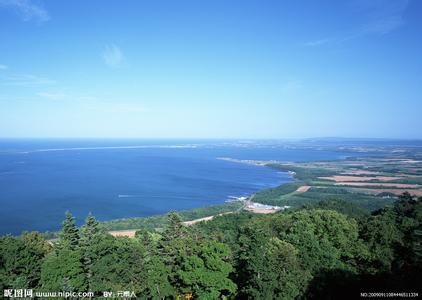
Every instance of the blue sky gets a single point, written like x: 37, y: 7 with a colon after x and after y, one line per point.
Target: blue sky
x: 211, y: 69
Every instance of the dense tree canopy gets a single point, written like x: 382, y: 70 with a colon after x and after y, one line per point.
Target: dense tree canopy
x: 324, y: 250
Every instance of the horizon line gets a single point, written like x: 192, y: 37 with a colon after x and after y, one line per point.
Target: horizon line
x: 210, y: 138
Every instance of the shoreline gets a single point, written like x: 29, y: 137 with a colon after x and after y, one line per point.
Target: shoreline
x: 220, y: 207
x: 304, y: 177
x: 242, y: 202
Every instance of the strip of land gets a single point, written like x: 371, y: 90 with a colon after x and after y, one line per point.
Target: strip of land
x: 253, y: 207
x: 371, y: 182
x: 131, y: 233
x: 343, y: 178
x: 128, y: 233
x: 394, y: 185
x: 303, y: 189
x: 192, y: 222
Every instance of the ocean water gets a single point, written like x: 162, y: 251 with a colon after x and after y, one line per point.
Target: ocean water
x: 41, y: 179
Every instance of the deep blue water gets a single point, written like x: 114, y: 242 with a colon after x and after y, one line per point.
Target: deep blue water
x: 41, y: 179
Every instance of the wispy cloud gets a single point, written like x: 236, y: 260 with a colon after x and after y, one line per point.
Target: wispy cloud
x: 383, y: 17
x: 65, y: 96
x: 318, y: 42
x: 112, y: 56
x: 53, y: 95
x: 117, y: 108
x: 87, y: 98
x: 291, y: 86
x: 26, y: 80
x: 3, y: 67
x: 26, y: 10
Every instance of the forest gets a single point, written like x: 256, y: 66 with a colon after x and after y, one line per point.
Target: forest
x: 331, y: 249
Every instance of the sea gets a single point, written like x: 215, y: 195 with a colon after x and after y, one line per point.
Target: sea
x: 41, y: 179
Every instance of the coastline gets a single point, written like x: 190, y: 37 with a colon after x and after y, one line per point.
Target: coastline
x: 310, y: 181
x: 232, y: 204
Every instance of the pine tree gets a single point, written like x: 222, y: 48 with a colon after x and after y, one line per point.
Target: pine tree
x: 205, y: 271
x: 175, y: 227
x: 90, y: 230
x: 89, y: 233
x: 69, y: 236
x: 63, y: 271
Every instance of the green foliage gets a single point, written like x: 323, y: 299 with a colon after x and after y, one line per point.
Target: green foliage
x: 175, y: 228
x: 382, y: 236
x: 273, y: 195
x: 118, y: 265
x: 347, y: 208
x: 367, y: 202
x: 89, y: 236
x: 63, y: 270
x: 226, y: 228
x: 90, y: 230
x: 175, y: 241
x: 21, y: 259
x: 205, y: 273
x: 269, y: 268
x: 304, y: 173
x: 69, y: 236
x: 417, y: 246
x: 161, y: 220
x: 325, y: 239
x: 408, y: 212
x: 409, y: 180
x: 195, y: 266
x: 36, y: 242
x: 322, y: 250
x: 157, y: 282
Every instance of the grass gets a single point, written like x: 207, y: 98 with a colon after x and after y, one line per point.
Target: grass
x: 304, y: 174
x: 161, y: 220
x: 417, y: 180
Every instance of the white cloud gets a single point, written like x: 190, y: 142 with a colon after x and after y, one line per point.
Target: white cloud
x: 87, y: 98
x: 26, y: 10
x: 112, y: 56
x: 385, y: 16
x: 113, y: 107
x: 53, y: 95
x: 127, y: 108
x: 26, y: 80
x: 291, y: 86
x: 318, y: 42
x: 3, y: 67
x: 382, y: 17
x: 65, y: 96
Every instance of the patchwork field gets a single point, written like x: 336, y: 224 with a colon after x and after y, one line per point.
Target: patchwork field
x: 371, y: 181
x: 342, y: 178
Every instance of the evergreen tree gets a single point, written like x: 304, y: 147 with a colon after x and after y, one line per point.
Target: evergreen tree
x: 205, y: 273
x: 144, y: 237
x: 175, y: 239
x: 158, y: 284
x: 90, y: 229
x: 89, y: 236
x: 63, y: 271
x: 119, y: 265
x: 36, y: 241
x: 20, y: 260
x: 269, y: 268
x: 175, y: 227
x: 417, y: 246
x: 69, y: 236
x: 382, y: 236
